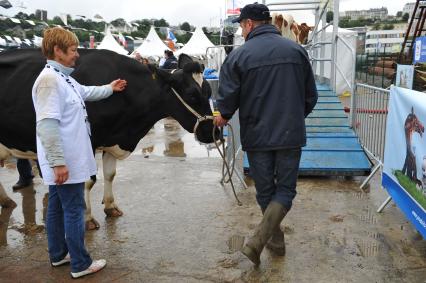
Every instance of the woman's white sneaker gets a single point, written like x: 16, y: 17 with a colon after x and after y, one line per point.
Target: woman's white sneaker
x: 93, y: 268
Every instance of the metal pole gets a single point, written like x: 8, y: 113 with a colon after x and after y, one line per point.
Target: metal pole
x: 383, y: 65
x: 292, y: 3
x: 384, y: 204
x: 314, y: 40
x: 294, y: 9
x: 333, y: 39
x: 374, y: 69
x: 322, y: 50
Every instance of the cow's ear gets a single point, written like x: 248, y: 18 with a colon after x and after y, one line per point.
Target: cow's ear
x: 183, y: 60
x: 193, y: 67
x: 163, y: 75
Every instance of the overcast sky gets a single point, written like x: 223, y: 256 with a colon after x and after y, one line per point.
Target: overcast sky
x: 196, y: 12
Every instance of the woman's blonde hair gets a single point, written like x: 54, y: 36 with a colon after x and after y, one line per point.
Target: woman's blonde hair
x: 59, y: 37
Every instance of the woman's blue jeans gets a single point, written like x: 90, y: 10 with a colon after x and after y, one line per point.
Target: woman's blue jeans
x: 275, y: 175
x: 65, y: 225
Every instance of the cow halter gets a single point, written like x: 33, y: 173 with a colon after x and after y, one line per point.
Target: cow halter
x: 199, y: 117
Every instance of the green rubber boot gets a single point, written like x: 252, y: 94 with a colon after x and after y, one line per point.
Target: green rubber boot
x: 272, y: 218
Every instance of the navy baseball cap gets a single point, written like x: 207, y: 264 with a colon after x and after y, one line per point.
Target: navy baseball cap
x: 255, y: 11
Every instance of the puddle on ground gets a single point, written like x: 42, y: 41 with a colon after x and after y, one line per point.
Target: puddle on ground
x: 168, y: 138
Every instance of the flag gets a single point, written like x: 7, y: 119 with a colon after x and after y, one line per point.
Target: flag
x: 171, y: 36
x: 122, y: 39
x: 5, y: 4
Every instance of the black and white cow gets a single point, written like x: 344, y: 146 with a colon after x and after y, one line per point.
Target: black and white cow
x: 118, y: 122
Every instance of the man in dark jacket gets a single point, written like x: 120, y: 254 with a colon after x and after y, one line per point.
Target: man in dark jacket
x: 270, y: 80
x: 171, y: 61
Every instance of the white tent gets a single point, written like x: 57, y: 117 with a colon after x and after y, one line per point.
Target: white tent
x: 197, y: 44
x: 109, y: 43
x: 152, y: 45
x: 343, y: 59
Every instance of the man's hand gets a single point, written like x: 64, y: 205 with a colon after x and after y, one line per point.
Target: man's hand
x: 118, y: 85
x: 61, y: 174
x: 219, y: 121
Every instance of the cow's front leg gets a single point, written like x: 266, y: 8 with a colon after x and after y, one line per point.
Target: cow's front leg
x: 91, y: 223
x: 109, y: 163
x: 5, y: 201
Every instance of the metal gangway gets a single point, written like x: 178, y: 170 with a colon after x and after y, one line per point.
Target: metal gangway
x: 333, y: 148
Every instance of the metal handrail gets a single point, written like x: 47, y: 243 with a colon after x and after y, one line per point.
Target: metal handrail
x: 373, y: 87
x: 346, y: 80
x: 311, y: 46
x: 323, y: 28
x: 294, y: 9
x: 319, y: 19
x: 293, y: 3
x: 320, y: 59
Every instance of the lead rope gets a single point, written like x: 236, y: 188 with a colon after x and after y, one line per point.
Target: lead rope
x: 222, y: 151
x: 225, y: 164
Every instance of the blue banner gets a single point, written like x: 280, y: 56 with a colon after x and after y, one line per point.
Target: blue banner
x: 404, y: 168
x: 419, y: 50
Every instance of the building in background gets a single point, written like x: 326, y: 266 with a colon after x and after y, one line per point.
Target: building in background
x: 408, y: 8
x: 389, y: 41
x: 374, y: 14
x: 41, y: 15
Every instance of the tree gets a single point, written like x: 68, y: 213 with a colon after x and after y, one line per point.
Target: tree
x: 120, y: 22
x: 376, y: 26
x: 388, y: 27
x: 405, y: 17
x: 57, y: 21
x: 399, y: 14
x: 185, y: 26
x: 329, y: 16
x: 161, y: 23
x: 184, y: 38
x: 22, y: 16
x: 344, y: 22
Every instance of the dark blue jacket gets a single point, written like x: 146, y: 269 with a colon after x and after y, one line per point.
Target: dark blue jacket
x: 270, y: 80
x: 170, y: 63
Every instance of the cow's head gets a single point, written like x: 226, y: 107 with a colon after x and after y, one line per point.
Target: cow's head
x: 278, y: 21
x: 304, y: 30
x: 190, y: 85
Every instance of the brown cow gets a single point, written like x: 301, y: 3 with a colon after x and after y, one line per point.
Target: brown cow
x: 290, y: 29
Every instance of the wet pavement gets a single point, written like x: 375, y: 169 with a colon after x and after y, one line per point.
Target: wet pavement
x: 181, y: 225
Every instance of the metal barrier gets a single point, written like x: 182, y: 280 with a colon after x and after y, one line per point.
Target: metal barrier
x: 369, y: 111
x: 231, y: 143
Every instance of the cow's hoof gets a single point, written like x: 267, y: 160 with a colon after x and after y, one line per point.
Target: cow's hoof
x: 113, y: 212
x: 8, y: 203
x: 92, y: 224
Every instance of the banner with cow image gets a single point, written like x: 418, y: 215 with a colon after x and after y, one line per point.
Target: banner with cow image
x: 404, y: 170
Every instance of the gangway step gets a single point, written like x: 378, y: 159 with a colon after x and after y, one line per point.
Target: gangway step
x: 327, y: 122
x: 332, y: 143
x: 329, y: 106
x: 332, y: 147
x: 332, y: 163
